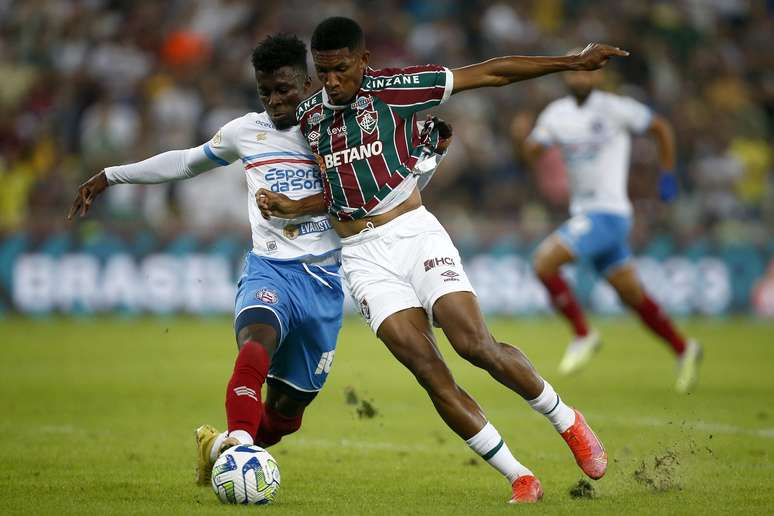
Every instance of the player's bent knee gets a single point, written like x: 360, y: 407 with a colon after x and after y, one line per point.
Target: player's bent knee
x: 543, y: 266
x: 474, y: 343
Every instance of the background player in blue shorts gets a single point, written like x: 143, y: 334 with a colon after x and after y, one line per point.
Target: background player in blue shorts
x: 593, y: 130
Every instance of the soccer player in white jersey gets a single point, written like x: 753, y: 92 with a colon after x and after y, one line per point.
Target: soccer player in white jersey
x: 397, y: 259
x: 593, y: 129
x: 288, y: 307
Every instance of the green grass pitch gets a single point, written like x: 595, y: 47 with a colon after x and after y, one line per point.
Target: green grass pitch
x: 98, y: 418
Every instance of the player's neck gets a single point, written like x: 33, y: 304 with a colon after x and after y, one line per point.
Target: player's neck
x: 581, y: 99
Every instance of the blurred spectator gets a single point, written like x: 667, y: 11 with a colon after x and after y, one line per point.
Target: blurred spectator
x: 87, y: 83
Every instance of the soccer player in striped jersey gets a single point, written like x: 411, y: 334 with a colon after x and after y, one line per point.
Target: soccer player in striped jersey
x: 398, y: 261
x: 593, y: 130
x: 289, y: 299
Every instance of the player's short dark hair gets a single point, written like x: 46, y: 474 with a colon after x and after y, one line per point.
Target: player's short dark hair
x: 338, y: 32
x: 278, y: 50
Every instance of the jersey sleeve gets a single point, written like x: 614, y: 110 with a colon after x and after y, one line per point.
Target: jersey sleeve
x: 542, y: 133
x: 413, y: 89
x: 632, y: 114
x: 180, y: 164
x: 222, y: 148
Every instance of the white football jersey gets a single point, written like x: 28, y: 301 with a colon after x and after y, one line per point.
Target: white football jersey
x: 595, y: 140
x: 280, y: 161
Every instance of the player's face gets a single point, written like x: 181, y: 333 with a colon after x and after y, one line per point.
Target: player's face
x: 581, y: 83
x: 280, y: 92
x: 340, y: 72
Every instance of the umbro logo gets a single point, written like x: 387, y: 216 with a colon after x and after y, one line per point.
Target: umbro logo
x: 243, y: 390
x: 450, y: 275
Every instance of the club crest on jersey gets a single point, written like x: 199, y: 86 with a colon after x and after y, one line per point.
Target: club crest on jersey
x: 268, y: 296
x: 361, y: 103
x: 367, y: 120
x: 290, y: 231
x: 315, y: 119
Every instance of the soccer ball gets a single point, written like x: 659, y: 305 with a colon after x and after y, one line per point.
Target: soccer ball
x: 247, y: 475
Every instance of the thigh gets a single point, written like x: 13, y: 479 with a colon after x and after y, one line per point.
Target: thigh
x: 627, y: 284
x: 551, y: 254
x: 459, y: 316
x: 585, y: 236
x: 434, y: 267
x: 264, y: 297
x: 377, y: 290
x: 409, y: 337
x: 617, y: 253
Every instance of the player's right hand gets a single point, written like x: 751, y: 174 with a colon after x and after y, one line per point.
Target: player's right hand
x: 87, y: 192
x: 596, y: 55
x: 273, y: 204
x: 667, y: 186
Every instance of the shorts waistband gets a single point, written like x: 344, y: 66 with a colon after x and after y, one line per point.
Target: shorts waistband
x: 330, y: 259
x: 372, y: 232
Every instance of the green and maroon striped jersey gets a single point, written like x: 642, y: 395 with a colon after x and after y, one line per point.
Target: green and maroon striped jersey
x: 370, y: 146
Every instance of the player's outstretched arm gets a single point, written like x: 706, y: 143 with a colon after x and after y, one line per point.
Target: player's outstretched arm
x: 87, y: 192
x: 501, y: 71
x: 161, y: 168
x: 273, y: 204
x: 662, y: 131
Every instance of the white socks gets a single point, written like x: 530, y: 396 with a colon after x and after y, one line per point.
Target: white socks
x: 493, y: 449
x: 240, y: 435
x: 551, y: 405
x: 216, y: 445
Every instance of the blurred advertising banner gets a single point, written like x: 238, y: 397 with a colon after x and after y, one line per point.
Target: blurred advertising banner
x: 140, y: 276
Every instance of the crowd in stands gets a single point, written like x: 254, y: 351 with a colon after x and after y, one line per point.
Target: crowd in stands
x: 89, y: 83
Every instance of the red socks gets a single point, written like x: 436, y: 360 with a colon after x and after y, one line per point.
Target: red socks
x: 243, y: 395
x: 656, y: 320
x: 564, y: 300
x: 274, y: 426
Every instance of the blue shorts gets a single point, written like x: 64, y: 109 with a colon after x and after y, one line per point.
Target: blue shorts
x: 306, y: 302
x: 600, y: 238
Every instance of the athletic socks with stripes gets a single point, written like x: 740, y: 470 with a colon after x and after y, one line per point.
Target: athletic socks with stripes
x: 551, y: 405
x: 493, y: 449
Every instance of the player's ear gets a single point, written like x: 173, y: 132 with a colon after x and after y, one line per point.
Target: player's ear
x: 307, y: 84
x: 365, y: 55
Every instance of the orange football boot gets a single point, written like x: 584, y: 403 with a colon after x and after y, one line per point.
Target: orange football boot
x: 587, y: 448
x: 526, y: 489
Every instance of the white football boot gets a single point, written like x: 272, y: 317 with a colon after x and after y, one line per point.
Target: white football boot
x: 688, y: 367
x: 579, y: 352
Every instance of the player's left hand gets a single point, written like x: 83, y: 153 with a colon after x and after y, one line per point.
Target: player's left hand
x: 596, y: 55
x: 667, y: 186
x: 273, y: 204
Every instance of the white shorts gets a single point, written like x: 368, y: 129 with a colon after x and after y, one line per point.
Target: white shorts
x: 406, y: 263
